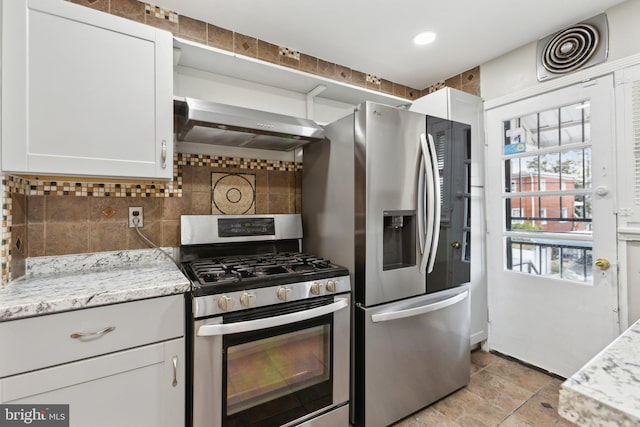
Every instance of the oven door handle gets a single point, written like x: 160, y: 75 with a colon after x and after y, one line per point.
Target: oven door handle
x: 253, y: 325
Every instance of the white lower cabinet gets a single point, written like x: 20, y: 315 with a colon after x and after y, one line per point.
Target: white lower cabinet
x: 138, y: 387
x: 129, y: 388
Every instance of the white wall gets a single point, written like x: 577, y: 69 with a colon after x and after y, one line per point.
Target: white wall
x: 516, y: 70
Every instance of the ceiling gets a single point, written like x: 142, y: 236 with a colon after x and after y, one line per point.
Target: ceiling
x: 375, y: 36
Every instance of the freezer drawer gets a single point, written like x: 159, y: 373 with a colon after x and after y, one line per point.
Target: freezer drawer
x: 410, y: 354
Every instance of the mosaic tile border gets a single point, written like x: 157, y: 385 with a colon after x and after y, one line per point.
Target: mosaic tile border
x: 133, y: 188
x: 236, y: 162
x: 10, y: 185
x: 161, y: 13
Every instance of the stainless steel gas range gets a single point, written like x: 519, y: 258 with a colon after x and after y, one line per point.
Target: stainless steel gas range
x: 270, y: 325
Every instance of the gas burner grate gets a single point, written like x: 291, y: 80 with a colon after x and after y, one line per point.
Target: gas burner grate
x: 230, y: 269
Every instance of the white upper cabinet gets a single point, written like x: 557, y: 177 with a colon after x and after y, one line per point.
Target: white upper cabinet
x: 84, y: 92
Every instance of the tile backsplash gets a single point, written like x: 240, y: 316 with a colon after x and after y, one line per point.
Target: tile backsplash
x: 58, y: 216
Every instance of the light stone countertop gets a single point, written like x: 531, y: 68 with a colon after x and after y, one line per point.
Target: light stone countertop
x: 606, y: 391
x: 69, y: 282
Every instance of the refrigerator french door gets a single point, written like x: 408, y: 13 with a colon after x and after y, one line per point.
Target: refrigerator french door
x: 452, y: 145
x: 411, y: 353
x: 374, y: 195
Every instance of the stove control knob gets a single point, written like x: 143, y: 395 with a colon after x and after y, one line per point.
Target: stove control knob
x: 284, y: 293
x: 225, y: 303
x: 332, y: 285
x: 316, y: 288
x: 248, y: 299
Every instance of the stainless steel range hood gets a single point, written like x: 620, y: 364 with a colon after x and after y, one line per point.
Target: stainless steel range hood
x: 220, y: 124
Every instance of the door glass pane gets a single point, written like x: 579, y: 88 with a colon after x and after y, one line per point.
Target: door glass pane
x: 550, y: 258
x: 550, y: 172
x: 576, y: 166
x: 574, y: 123
x: 520, y: 172
x: 578, y: 265
x: 529, y: 124
x: 558, y: 214
x: 548, y: 129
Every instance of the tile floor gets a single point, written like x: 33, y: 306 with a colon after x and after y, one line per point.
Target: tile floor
x: 501, y: 393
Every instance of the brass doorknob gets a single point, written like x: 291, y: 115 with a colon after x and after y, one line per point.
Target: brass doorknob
x: 456, y: 245
x: 602, y: 263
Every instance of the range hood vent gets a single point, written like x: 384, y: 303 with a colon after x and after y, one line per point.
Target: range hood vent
x: 219, y: 124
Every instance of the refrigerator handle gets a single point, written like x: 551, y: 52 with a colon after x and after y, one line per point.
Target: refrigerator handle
x: 427, y: 214
x: 417, y: 311
x: 435, y: 230
x: 421, y: 203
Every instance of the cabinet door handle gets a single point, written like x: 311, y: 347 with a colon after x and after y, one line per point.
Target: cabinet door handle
x: 164, y: 154
x: 175, y: 371
x: 106, y: 330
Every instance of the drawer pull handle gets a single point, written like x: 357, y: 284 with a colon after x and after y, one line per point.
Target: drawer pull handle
x: 175, y: 371
x: 106, y: 330
x: 163, y: 154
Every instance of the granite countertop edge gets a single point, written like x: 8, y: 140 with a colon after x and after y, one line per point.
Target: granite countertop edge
x: 72, y: 282
x: 606, y: 391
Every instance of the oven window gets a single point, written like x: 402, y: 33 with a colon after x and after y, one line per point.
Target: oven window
x: 278, y: 375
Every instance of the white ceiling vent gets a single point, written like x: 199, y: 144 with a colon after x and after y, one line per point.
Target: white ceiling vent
x: 579, y: 46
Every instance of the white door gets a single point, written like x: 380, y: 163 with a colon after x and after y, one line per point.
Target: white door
x: 550, y: 210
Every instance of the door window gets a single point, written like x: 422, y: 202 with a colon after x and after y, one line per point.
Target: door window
x: 547, y: 182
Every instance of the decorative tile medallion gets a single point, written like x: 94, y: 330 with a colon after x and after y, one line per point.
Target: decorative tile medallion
x: 233, y: 194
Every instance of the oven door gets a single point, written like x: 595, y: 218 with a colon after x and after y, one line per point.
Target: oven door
x: 272, y: 366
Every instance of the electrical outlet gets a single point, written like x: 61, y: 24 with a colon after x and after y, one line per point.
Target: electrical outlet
x: 135, y: 213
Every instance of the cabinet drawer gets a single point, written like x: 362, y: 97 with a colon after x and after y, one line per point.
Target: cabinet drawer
x: 54, y: 339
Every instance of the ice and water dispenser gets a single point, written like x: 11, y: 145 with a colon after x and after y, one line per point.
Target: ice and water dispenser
x: 398, y: 239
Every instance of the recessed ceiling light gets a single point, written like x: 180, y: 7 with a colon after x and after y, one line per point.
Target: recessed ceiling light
x: 424, y: 38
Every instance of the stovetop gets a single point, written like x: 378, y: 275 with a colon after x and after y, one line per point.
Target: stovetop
x: 214, y: 275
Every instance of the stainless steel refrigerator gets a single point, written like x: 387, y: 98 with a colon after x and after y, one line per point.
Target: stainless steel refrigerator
x: 387, y: 195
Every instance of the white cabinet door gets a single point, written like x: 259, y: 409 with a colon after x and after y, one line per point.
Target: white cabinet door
x: 139, y: 387
x: 84, y: 93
